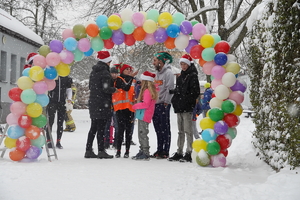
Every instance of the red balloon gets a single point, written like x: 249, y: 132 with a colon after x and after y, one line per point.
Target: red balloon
x: 15, y: 94
x: 231, y: 120
x: 223, y: 141
x: 222, y: 46
x: 24, y: 121
x: 224, y: 152
x: 108, y: 44
x: 23, y: 143
x: 129, y: 40
x: 196, y: 51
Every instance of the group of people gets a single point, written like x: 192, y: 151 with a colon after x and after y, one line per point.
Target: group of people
x: 115, y: 97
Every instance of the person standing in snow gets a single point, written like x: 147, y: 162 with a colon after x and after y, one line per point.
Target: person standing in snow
x: 206, y: 99
x: 161, y: 118
x: 196, y: 112
x: 100, y: 103
x: 70, y: 124
x: 186, y: 92
x: 29, y: 60
x: 144, y: 113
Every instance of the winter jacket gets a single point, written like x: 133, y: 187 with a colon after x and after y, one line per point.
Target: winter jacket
x: 197, y: 110
x: 165, y: 81
x: 187, y: 91
x: 206, y: 99
x: 59, y: 93
x: 101, y: 89
x: 145, y: 109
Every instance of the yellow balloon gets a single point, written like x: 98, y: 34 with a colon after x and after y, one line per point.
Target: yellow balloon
x: 36, y: 73
x: 149, y: 26
x: 207, y: 113
x: 238, y: 110
x: 207, y: 123
x: 207, y: 41
x: 114, y: 22
x: 63, y: 69
x: 34, y: 109
x: 144, y: 13
x: 24, y: 82
x: 233, y: 67
x: 10, y: 143
x: 165, y: 19
x: 199, y: 144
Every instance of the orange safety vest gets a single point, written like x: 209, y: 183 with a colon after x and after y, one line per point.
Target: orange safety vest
x: 123, y: 99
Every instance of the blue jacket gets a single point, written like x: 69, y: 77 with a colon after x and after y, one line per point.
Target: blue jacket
x: 206, y: 99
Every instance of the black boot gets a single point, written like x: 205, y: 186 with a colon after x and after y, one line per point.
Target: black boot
x: 176, y: 157
x: 90, y: 154
x: 58, y: 145
x: 104, y: 155
x: 118, y: 154
x: 186, y: 158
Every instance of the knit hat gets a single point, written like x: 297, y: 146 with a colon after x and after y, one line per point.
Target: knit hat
x: 31, y: 56
x: 164, y: 57
x: 114, y: 70
x: 207, y: 85
x: 186, y: 59
x: 104, y: 56
x: 147, y: 76
x: 124, y: 66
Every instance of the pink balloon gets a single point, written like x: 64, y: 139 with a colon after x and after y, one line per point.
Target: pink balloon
x: 18, y: 108
x: 237, y: 96
x: 66, y: 56
x: 207, y: 67
x: 68, y: 33
x: 218, y: 71
x: 40, y: 87
x: 84, y: 44
x: 50, y: 83
x: 218, y: 160
x: 53, y: 59
x: 149, y: 39
x: 215, y: 83
x: 198, y: 31
x: 138, y: 19
x: 117, y: 14
x: 39, y: 61
x: 12, y: 119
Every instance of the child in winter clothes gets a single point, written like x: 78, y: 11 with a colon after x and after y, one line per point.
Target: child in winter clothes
x: 144, y: 113
x: 196, y: 112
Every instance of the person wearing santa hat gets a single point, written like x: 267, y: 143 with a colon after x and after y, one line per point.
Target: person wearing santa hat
x: 186, y: 92
x: 29, y: 60
x: 100, y: 103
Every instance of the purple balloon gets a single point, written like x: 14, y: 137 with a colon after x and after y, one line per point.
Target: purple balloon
x: 186, y: 27
x: 239, y: 85
x: 221, y: 127
x: 192, y: 43
x: 56, y: 46
x: 118, y: 37
x: 160, y: 35
x: 33, y: 152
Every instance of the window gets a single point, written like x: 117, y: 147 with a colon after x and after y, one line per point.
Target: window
x: 3, y: 66
x: 13, y: 68
x: 22, y: 63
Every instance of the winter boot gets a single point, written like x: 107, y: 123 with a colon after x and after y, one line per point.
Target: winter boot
x: 104, y: 155
x: 141, y: 156
x: 163, y: 155
x: 126, y: 154
x: 186, y: 158
x: 58, y: 145
x: 176, y: 157
x: 49, y: 144
x: 118, y: 154
x: 155, y: 155
x: 90, y: 154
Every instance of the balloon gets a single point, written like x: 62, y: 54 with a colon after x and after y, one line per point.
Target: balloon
x: 198, y: 31
x: 149, y: 39
x: 108, y: 44
x: 50, y: 83
x: 224, y: 152
x: 217, y: 39
x: 194, y: 22
x: 44, y: 50
x: 25, y: 71
x: 207, y: 67
x: 66, y: 56
x: 129, y: 40
x: 127, y: 27
x: 220, y: 127
x: 206, y: 123
x: 231, y: 58
x: 39, y: 121
x: 18, y: 108
x: 138, y: 19
x: 97, y: 43
x: 101, y: 21
x: 213, y: 148
x: 25, y: 82
x: 238, y: 110
x: 191, y: 44
x: 149, y: 26
x: 173, y: 30
x: 89, y: 52
x: 160, y: 35
x: 233, y: 67
x: 64, y: 69
x: 231, y: 120
x: 165, y: 19
x: 84, y: 44
x: 12, y: 119
x: 34, y: 110
x: 10, y: 143
x: 79, y: 31
x: 36, y: 73
x: 114, y: 22
x: 232, y: 132
x: 170, y: 43
x: 203, y: 159
x: 208, y: 135
x: 15, y: 131
x: 78, y: 56
x: 118, y: 37
x: 186, y: 27
x: 240, y: 85
x: 50, y: 73
x: 126, y: 14
x: 52, y: 59
x: 237, y: 96
x: 181, y: 42
x: 208, y: 54
x: 39, y: 142
x: 139, y: 34
x: 228, y: 79
x: 92, y: 30
x: 40, y: 87
x: 199, y: 144
x: 42, y: 99
x: 153, y: 14
x: 218, y: 71
x: 56, y: 46
x: 67, y: 33
x: 28, y: 96
x: 105, y: 33
x: 178, y: 18
x: 33, y: 132
x: 33, y: 152
x: 215, y: 102
x: 24, y: 121
x: 224, y: 141
x: 16, y: 155
x: 70, y: 44
x: 207, y: 40
x: 220, y: 58
x: 14, y: 94
x: 23, y: 143
x: 216, y: 114
x: 222, y: 92
x: 228, y: 106
x: 218, y: 160
x: 39, y: 60
x: 222, y: 46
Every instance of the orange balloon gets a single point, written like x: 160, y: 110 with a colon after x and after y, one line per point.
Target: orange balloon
x: 16, y: 155
x: 170, y: 43
x: 139, y: 34
x: 201, y: 62
x: 92, y: 30
x: 33, y: 132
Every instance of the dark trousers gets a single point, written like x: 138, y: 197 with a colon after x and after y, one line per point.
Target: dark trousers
x: 107, y: 128
x: 52, y: 108
x: 161, y: 122
x: 97, y: 127
x: 125, y: 123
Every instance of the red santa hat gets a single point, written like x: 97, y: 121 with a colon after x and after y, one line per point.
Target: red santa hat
x: 124, y: 66
x: 31, y: 56
x: 104, y: 56
x: 147, y: 76
x: 186, y: 59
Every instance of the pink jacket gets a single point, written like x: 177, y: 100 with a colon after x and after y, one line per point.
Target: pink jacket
x: 145, y: 109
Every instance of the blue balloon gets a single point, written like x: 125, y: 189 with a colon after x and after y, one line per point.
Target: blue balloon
x: 220, y: 58
x: 173, y: 30
x: 208, y: 135
x: 42, y: 99
x: 70, y: 44
x: 26, y: 72
x: 101, y: 21
x: 89, y: 52
x: 15, y: 131
x: 50, y: 73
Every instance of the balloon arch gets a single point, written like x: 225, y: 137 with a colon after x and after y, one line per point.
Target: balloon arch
x: 29, y: 98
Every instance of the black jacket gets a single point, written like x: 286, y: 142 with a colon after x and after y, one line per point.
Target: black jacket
x: 101, y: 89
x: 187, y: 91
x: 59, y: 93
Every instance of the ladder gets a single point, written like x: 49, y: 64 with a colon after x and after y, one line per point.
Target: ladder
x: 2, y: 136
x: 49, y: 155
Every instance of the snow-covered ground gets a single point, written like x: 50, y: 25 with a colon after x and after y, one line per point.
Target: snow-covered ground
x: 73, y: 177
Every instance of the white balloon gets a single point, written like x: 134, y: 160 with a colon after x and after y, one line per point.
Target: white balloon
x: 222, y: 92
x: 126, y: 14
x: 215, y: 103
x: 231, y: 58
x: 181, y: 42
x: 228, y: 79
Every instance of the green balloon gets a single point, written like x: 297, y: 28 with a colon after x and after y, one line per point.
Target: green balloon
x: 208, y: 54
x: 216, y: 114
x: 78, y: 55
x: 228, y: 106
x: 44, y: 50
x: 232, y: 132
x: 39, y: 142
x: 217, y: 38
x: 153, y: 14
x: 204, y: 159
x: 213, y: 148
x: 127, y: 27
x: 105, y: 33
x: 178, y: 18
x: 97, y: 43
x: 79, y: 31
x: 39, y: 121
x: 28, y: 96
x: 193, y: 22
